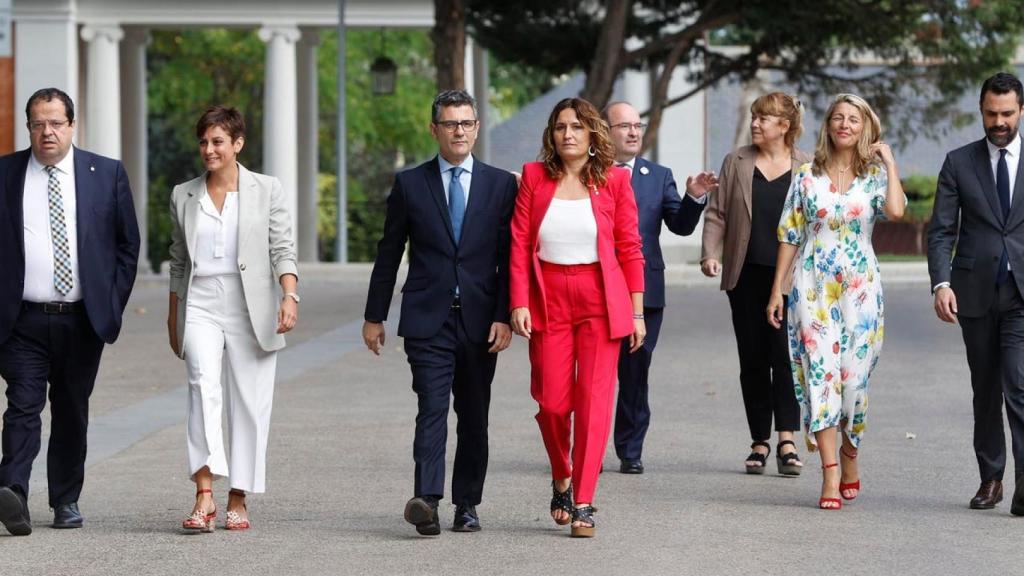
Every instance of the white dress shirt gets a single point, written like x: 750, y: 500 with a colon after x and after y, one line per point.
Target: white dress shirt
x: 632, y: 163
x: 217, y: 237
x: 466, y: 178
x: 568, y: 233
x: 38, y: 239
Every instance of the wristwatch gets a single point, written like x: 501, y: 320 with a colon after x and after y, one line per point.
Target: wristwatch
x: 293, y: 296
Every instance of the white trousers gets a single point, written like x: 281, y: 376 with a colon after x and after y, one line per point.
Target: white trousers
x: 225, y: 363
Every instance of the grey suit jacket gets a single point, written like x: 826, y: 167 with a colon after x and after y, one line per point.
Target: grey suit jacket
x: 968, y: 232
x: 727, y: 218
x: 266, y: 249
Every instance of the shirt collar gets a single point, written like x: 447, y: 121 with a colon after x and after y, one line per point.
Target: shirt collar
x: 466, y: 165
x: 1013, y: 148
x: 66, y: 166
x: 631, y: 163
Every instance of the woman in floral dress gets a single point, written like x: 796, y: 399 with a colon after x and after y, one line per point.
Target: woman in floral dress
x: 836, y: 305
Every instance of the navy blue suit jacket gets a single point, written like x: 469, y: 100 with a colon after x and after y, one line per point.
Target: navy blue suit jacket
x: 478, y: 265
x: 657, y: 200
x: 108, y: 239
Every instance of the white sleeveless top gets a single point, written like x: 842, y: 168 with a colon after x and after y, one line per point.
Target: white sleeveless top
x: 217, y: 237
x: 568, y: 233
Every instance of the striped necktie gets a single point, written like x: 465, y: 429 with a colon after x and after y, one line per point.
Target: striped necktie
x: 62, y: 279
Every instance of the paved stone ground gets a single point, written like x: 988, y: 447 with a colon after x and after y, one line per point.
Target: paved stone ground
x: 340, y: 465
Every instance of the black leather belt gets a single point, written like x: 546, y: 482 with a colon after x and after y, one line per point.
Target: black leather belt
x: 53, y: 307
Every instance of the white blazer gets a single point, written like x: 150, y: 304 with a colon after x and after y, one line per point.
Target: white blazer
x: 266, y: 249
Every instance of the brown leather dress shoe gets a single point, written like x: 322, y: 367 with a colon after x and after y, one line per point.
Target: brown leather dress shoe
x: 989, y: 494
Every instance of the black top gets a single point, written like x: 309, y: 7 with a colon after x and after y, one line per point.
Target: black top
x: 767, y: 198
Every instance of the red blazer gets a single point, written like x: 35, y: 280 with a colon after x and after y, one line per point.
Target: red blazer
x: 618, y: 246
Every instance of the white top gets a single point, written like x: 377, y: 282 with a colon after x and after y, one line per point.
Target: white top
x: 1012, y: 160
x: 466, y: 178
x: 568, y: 233
x: 38, y: 240
x: 217, y: 237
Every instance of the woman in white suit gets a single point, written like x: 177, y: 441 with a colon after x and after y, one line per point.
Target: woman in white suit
x: 232, y: 239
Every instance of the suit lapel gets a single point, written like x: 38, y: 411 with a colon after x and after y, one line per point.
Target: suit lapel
x: 85, y: 197
x: 1018, y: 192
x: 247, y: 206
x: 477, y: 196
x: 745, y: 169
x: 639, y: 179
x: 983, y: 167
x: 16, y: 198
x: 191, y: 224
x: 542, y: 197
x: 432, y: 175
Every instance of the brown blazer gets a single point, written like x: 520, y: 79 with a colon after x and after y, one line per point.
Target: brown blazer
x: 727, y: 217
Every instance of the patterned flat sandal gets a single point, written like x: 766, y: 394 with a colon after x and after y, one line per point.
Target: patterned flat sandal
x: 789, y: 463
x: 755, y: 456
x: 585, y: 516
x: 234, y: 520
x: 200, y: 520
x: 561, y: 501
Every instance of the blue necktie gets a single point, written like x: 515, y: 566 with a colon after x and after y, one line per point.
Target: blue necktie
x: 456, y: 202
x: 1003, y: 188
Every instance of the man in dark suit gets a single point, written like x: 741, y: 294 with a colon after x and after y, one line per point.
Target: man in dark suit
x: 69, y: 244
x: 455, y: 212
x: 657, y: 201
x: 976, y: 263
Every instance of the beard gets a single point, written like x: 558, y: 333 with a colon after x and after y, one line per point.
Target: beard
x: 1001, y: 138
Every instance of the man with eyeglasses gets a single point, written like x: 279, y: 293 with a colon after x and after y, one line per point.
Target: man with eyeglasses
x: 69, y: 243
x: 455, y: 212
x: 657, y: 201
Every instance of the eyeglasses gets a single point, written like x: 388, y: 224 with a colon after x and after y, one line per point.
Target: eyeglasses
x: 638, y: 126
x: 40, y: 125
x: 452, y: 125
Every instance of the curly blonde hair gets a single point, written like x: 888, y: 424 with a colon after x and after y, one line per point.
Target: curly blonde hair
x: 595, y: 172
x: 872, y: 132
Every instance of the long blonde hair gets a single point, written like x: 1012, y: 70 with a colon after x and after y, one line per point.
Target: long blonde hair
x: 872, y: 132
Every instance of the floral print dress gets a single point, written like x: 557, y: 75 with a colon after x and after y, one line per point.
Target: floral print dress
x: 835, y: 307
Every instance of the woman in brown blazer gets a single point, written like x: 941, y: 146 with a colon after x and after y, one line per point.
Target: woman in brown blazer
x: 740, y: 243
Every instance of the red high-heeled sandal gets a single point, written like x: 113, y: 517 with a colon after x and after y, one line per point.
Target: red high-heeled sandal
x: 844, y: 486
x: 827, y: 503
x: 233, y: 520
x: 200, y: 520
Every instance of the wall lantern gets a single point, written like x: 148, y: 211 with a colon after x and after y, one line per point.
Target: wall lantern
x: 383, y: 71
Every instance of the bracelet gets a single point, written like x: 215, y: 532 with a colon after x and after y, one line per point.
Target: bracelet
x: 638, y: 316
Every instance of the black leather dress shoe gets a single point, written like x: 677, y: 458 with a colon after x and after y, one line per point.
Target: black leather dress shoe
x: 422, y: 513
x: 67, y: 516
x: 632, y: 466
x: 1017, y: 505
x: 14, y: 512
x: 466, y: 519
x: 989, y: 494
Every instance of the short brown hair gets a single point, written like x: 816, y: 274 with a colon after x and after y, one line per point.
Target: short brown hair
x: 783, y: 106
x: 596, y: 170
x: 228, y: 118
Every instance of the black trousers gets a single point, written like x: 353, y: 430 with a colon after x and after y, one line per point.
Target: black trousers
x: 995, y: 354
x: 766, y: 377
x: 446, y: 365
x: 632, y: 410
x: 61, y: 349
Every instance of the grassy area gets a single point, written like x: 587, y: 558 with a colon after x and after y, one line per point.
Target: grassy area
x: 902, y: 257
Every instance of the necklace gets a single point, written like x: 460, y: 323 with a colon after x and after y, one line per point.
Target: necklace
x: 842, y: 173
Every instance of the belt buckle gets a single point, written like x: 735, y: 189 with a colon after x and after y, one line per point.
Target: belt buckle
x: 54, y: 308
x: 457, y: 303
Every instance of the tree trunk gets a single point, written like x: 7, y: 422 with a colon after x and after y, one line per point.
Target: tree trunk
x: 449, y: 36
x: 606, y: 65
x: 660, y: 94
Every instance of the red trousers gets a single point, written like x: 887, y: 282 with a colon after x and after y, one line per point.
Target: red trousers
x: 573, y: 371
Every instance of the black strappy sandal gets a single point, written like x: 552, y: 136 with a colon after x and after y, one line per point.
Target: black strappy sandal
x: 755, y: 456
x: 561, y: 501
x: 788, y: 463
x: 585, y: 515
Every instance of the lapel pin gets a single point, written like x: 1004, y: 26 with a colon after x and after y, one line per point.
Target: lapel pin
x: 644, y: 170
x: 92, y: 168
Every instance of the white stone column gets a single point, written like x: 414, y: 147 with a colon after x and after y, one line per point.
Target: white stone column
x: 280, y: 111
x: 103, y: 89
x: 482, y: 92
x: 46, y: 55
x: 134, y: 130
x: 308, y: 161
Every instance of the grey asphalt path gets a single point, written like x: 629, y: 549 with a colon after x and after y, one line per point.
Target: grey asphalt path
x: 340, y: 466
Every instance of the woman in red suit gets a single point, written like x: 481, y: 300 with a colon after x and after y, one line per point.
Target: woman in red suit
x: 577, y: 283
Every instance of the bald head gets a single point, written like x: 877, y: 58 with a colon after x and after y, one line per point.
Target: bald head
x: 627, y: 138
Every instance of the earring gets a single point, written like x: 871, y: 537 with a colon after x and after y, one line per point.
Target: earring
x: 591, y: 151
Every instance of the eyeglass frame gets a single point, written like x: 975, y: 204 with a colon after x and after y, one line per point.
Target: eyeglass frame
x: 638, y: 126
x: 40, y: 125
x: 451, y: 126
